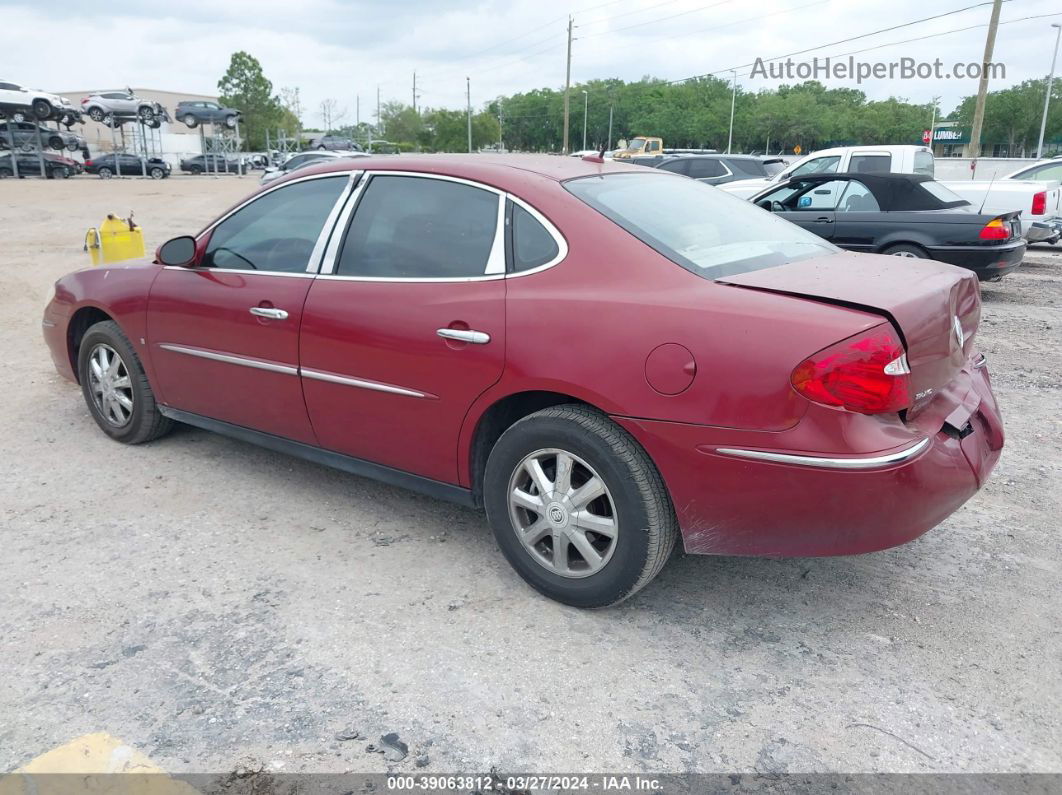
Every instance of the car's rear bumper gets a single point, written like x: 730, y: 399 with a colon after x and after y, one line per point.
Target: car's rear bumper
x: 1045, y: 231
x: 743, y: 499
x: 988, y: 262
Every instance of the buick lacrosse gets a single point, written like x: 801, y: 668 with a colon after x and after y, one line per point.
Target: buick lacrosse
x: 607, y: 359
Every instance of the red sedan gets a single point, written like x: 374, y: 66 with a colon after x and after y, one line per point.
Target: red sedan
x: 605, y: 358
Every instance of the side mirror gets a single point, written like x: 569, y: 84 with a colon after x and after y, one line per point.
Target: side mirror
x: 179, y: 251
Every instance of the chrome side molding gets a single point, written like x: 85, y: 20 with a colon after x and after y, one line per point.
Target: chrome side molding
x: 229, y: 358
x: 360, y: 383
x: 867, y: 462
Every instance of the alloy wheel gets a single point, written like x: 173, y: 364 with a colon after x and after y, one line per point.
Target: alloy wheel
x: 110, y: 385
x: 910, y: 254
x: 563, y: 513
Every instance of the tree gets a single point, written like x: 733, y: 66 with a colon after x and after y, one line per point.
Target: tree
x: 331, y: 114
x: 246, y: 88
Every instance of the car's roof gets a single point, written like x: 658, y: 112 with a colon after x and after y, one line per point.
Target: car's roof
x: 489, y: 168
x: 710, y: 156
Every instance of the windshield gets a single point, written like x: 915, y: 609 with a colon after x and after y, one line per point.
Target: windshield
x: 697, y: 226
x: 636, y: 145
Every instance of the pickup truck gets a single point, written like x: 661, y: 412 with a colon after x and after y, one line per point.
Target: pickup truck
x: 1045, y: 171
x: 1038, y: 202
x: 650, y: 146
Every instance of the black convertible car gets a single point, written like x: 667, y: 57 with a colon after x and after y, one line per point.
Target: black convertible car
x: 908, y: 215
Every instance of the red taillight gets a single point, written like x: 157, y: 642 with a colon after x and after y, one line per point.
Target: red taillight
x: 88, y: 162
x: 1039, y: 205
x: 995, y: 230
x: 867, y: 373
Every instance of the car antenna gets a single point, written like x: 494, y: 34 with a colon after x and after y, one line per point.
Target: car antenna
x: 990, y: 182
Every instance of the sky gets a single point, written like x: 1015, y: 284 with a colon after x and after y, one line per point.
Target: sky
x: 343, y: 50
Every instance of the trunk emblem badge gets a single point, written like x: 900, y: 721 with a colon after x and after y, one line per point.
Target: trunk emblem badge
x: 958, y: 331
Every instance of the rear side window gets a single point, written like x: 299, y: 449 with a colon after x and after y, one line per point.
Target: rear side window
x: 870, y: 164
x: 749, y: 166
x: 419, y: 227
x: 818, y: 165
x: 532, y: 244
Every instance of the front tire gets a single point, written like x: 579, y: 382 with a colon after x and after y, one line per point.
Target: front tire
x: 577, y: 507
x: 42, y: 108
x: 191, y: 122
x: 115, y: 387
x: 157, y: 173
x: 105, y: 172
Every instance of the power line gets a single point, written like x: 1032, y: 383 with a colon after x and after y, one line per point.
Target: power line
x: 840, y: 41
x: 661, y: 19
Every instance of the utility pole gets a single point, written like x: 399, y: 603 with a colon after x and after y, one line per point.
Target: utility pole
x: 733, y: 102
x: 567, y: 85
x: 414, y: 91
x: 1047, y: 94
x: 973, y: 149
x: 357, y: 110
x: 468, y: 96
x: 609, y: 129
x: 378, y: 111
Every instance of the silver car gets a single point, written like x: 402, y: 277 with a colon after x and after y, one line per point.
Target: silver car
x: 118, y: 104
x: 303, y: 159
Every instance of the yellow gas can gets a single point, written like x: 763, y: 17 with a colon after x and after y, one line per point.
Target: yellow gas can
x: 117, y: 239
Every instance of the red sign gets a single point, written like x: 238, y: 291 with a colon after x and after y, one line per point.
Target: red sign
x: 925, y: 136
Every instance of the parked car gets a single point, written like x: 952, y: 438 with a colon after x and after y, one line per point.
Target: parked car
x: 302, y: 160
x: 1037, y: 202
x: 714, y: 169
x: 118, y: 105
x: 638, y: 357
x: 196, y: 112
x: 905, y: 215
x: 1050, y: 173
x: 22, y: 104
x: 335, y: 143
x: 29, y: 165
x: 25, y: 137
x: 213, y: 164
x: 124, y: 164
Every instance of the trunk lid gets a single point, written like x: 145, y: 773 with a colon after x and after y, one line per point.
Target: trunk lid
x: 935, y: 307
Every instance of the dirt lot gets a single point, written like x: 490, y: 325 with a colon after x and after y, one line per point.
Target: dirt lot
x: 214, y: 604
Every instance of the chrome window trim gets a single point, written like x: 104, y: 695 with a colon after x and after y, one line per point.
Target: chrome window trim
x: 243, y: 271
x: 360, y: 383
x: 327, y: 270
x: 865, y: 462
x: 230, y: 358
x: 352, y: 178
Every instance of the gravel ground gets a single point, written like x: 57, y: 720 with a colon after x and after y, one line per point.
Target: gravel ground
x: 214, y: 604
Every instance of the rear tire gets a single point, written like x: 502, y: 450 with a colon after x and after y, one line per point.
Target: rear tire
x: 105, y: 172
x: 615, y: 543
x: 118, y: 397
x: 191, y: 121
x: 906, y: 250
x: 157, y: 173
x: 96, y: 114
x: 19, y: 116
x: 196, y: 170
x: 6, y: 172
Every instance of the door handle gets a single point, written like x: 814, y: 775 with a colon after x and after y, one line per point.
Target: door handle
x: 463, y: 335
x: 825, y: 219
x: 269, y: 312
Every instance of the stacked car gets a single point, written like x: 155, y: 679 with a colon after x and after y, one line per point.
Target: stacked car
x: 20, y: 104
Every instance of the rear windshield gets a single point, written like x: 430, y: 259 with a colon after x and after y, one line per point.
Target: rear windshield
x: 773, y: 167
x: 945, y: 194
x: 923, y: 163
x: 697, y: 226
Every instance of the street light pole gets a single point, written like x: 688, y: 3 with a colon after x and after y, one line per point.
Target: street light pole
x: 733, y: 101
x: 468, y: 94
x: 586, y: 105
x: 1047, y: 95
x: 609, y: 129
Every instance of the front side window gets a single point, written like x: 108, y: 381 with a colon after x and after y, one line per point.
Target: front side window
x: 420, y: 228
x: 818, y: 165
x: 706, y: 168
x: 276, y: 232
x: 696, y: 226
x: 805, y: 196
